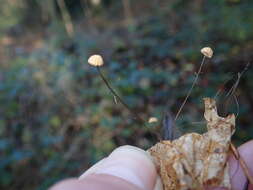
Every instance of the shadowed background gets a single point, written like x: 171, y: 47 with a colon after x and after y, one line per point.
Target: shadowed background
x: 57, y: 117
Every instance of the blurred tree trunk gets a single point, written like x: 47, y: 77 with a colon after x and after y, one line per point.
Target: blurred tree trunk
x: 47, y: 10
x: 32, y: 12
x: 129, y: 21
x: 66, y: 18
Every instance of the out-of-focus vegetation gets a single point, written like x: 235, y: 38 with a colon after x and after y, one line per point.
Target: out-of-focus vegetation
x: 57, y: 117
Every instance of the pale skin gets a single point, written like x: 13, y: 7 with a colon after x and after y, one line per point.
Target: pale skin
x: 131, y: 168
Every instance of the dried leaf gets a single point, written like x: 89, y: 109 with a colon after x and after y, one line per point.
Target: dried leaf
x: 196, y: 161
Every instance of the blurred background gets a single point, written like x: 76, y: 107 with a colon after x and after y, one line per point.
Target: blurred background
x: 57, y: 118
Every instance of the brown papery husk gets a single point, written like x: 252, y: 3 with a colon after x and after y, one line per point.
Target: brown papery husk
x: 196, y: 161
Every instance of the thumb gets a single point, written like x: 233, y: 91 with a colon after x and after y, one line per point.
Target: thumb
x: 127, y: 167
x: 129, y: 163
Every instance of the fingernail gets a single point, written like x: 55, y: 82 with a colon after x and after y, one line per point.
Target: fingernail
x: 131, y: 164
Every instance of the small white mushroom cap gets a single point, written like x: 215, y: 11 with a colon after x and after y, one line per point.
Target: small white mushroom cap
x: 152, y: 120
x: 96, y: 60
x: 207, y: 51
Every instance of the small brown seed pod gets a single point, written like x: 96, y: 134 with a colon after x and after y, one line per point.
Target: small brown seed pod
x: 207, y: 51
x: 96, y: 60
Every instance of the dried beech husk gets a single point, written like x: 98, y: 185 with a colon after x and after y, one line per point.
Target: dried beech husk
x: 196, y: 161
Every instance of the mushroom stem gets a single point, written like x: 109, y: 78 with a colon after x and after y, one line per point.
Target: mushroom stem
x: 193, y: 84
x: 136, y: 116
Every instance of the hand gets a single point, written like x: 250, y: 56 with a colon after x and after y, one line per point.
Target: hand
x: 131, y: 168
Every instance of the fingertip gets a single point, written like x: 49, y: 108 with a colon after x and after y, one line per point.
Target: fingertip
x: 95, y: 182
x: 132, y: 164
x: 68, y: 184
x: 93, y: 169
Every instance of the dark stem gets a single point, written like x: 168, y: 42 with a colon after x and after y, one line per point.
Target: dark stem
x: 136, y: 116
x: 231, y: 92
x: 193, y: 84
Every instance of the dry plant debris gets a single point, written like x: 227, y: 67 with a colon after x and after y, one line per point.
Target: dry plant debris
x: 196, y: 161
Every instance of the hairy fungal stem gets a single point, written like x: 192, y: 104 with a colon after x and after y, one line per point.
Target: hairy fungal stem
x: 239, y: 75
x: 190, y: 91
x: 116, y: 96
x: 221, y: 87
x: 231, y: 93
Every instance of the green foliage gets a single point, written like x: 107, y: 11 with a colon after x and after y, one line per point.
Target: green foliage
x: 56, y: 115
x: 8, y: 15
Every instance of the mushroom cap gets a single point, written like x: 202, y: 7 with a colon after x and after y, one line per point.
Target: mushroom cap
x: 207, y: 51
x: 96, y: 60
x: 152, y: 120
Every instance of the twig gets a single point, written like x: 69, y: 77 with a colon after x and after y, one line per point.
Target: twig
x: 193, y: 84
x: 242, y: 163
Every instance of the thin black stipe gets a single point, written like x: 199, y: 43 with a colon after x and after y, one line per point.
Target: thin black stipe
x: 135, y: 115
x: 231, y: 92
x: 221, y: 88
x: 239, y: 75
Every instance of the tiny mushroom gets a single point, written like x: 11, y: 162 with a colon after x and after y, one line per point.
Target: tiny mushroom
x: 207, y: 51
x: 152, y: 120
x: 96, y: 60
